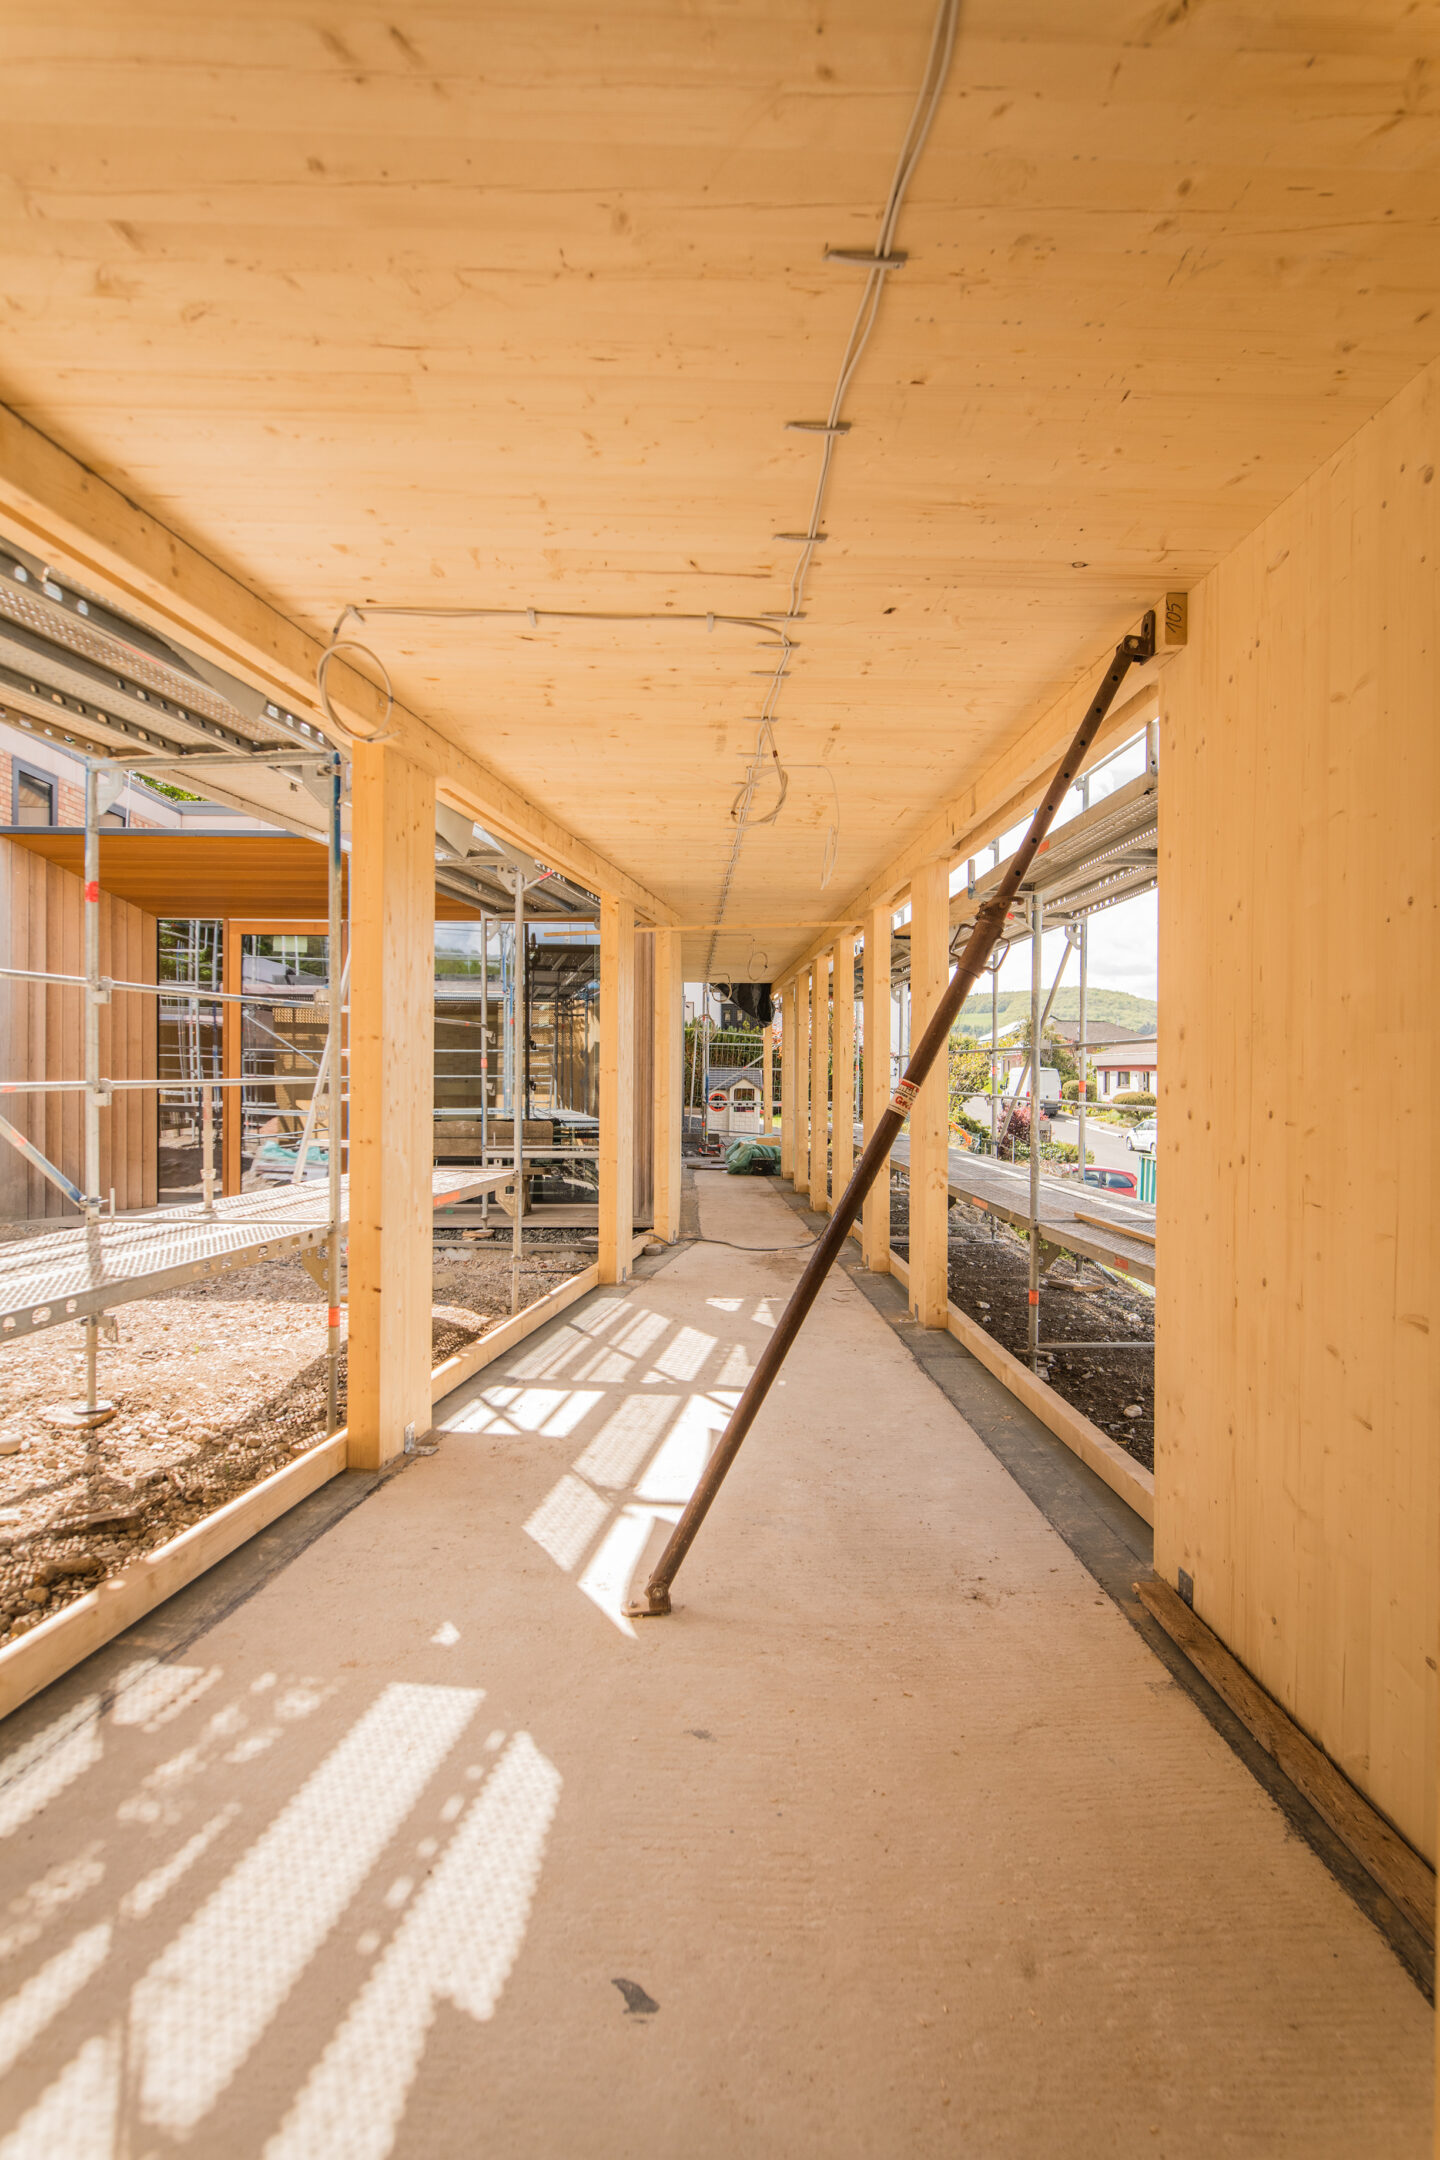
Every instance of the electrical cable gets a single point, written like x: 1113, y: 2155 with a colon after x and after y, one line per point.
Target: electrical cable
x: 932, y: 84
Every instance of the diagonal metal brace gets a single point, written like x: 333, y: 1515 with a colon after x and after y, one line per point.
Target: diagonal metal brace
x: 655, y: 1601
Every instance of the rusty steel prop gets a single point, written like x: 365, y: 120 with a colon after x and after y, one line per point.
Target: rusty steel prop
x: 655, y: 1600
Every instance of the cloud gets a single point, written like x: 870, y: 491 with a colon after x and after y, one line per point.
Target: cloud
x: 1123, y: 952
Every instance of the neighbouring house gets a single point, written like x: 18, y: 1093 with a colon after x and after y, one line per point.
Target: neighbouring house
x: 1124, y: 1065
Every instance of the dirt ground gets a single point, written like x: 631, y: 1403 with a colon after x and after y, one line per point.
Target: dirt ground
x: 216, y: 1386
x: 990, y: 1280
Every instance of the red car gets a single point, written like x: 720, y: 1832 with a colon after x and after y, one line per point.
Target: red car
x: 1112, y: 1180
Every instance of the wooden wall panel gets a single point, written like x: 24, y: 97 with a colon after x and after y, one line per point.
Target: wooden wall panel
x: 41, y: 1037
x: 1298, y: 1450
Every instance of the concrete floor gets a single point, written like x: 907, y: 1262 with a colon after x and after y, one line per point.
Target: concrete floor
x: 894, y: 1840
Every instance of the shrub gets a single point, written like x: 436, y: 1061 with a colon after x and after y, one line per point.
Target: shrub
x: 960, y: 1122
x: 1130, y: 1097
x: 1071, y: 1092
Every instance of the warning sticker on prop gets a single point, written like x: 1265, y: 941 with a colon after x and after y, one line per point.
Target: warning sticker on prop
x: 903, y: 1097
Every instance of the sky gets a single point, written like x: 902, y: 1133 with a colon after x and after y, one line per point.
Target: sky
x: 1123, y: 940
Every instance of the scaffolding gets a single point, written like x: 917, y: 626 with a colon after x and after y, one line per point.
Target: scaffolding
x: 86, y: 1300
x: 1107, y: 854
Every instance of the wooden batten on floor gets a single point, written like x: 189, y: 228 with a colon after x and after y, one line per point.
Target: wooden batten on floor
x: 1400, y: 1871
x: 1130, y: 1479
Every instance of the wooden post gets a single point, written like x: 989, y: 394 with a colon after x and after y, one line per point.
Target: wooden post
x: 929, y: 1119
x: 875, y: 1219
x: 669, y: 1081
x: 617, y: 1087
x: 787, y: 1081
x: 767, y: 1082
x: 842, y: 1086
x: 392, y: 1103
x: 802, y: 1081
x: 820, y: 1086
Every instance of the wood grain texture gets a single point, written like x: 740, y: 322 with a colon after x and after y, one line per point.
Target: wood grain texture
x: 1402, y: 1874
x: 617, y: 1088
x: 669, y: 1045
x: 803, y: 993
x: 788, y: 1059
x: 875, y: 1216
x: 41, y: 927
x: 842, y: 1052
x: 820, y: 1085
x: 1298, y: 1451
x: 515, y: 310
x: 929, y: 1121
x: 391, y: 1125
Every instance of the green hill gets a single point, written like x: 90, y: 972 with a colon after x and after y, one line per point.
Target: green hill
x: 1119, y: 1006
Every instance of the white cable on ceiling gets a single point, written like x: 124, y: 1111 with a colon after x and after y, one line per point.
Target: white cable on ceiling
x: 767, y: 752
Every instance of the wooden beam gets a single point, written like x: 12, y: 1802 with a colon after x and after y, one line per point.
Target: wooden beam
x: 788, y: 1039
x: 617, y: 1088
x: 669, y: 1045
x: 929, y: 1118
x: 875, y: 1217
x: 82, y: 525
x: 392, y: 1108
x: 820, y: 1085
x: 801, y: 1171
x: 842, y: 1084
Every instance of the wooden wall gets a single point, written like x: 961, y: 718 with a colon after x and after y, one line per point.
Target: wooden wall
x: 41, y: 926
x: 1298, y: 1445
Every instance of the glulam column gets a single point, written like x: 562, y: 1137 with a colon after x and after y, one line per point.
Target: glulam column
x: 842, y: 1066
x: 617, y: 1088
x: 669, y: 1081
x: 802, y: 1081
x: 392, y: 1103
x: 820, y: 1086
x: 787, y: 1081
x: 929, y: 1117
x: 875, y: 1216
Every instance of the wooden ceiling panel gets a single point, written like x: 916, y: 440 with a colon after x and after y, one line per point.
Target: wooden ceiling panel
x: 509, y: 306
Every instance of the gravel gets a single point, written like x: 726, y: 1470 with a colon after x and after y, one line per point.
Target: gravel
x: 216, y: 1386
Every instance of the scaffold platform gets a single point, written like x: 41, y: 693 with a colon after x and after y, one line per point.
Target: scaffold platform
x: 1118, y: 1234
x: 78, y: 1273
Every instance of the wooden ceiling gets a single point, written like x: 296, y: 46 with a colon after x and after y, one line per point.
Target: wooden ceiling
x: 509, y: 306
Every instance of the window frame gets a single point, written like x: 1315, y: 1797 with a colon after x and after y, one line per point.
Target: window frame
x: 50, y: 781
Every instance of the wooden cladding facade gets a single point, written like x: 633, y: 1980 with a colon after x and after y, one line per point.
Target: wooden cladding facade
x: 1298, y: 1451
x: 41, y: 1037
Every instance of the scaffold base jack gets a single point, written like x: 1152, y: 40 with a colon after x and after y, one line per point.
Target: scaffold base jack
x: 655, y: 1600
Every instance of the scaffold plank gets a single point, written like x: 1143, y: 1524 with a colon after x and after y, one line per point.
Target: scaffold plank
x: 77, y: 1273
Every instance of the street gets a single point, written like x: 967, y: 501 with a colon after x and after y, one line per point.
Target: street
x: 1105, y: 1142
